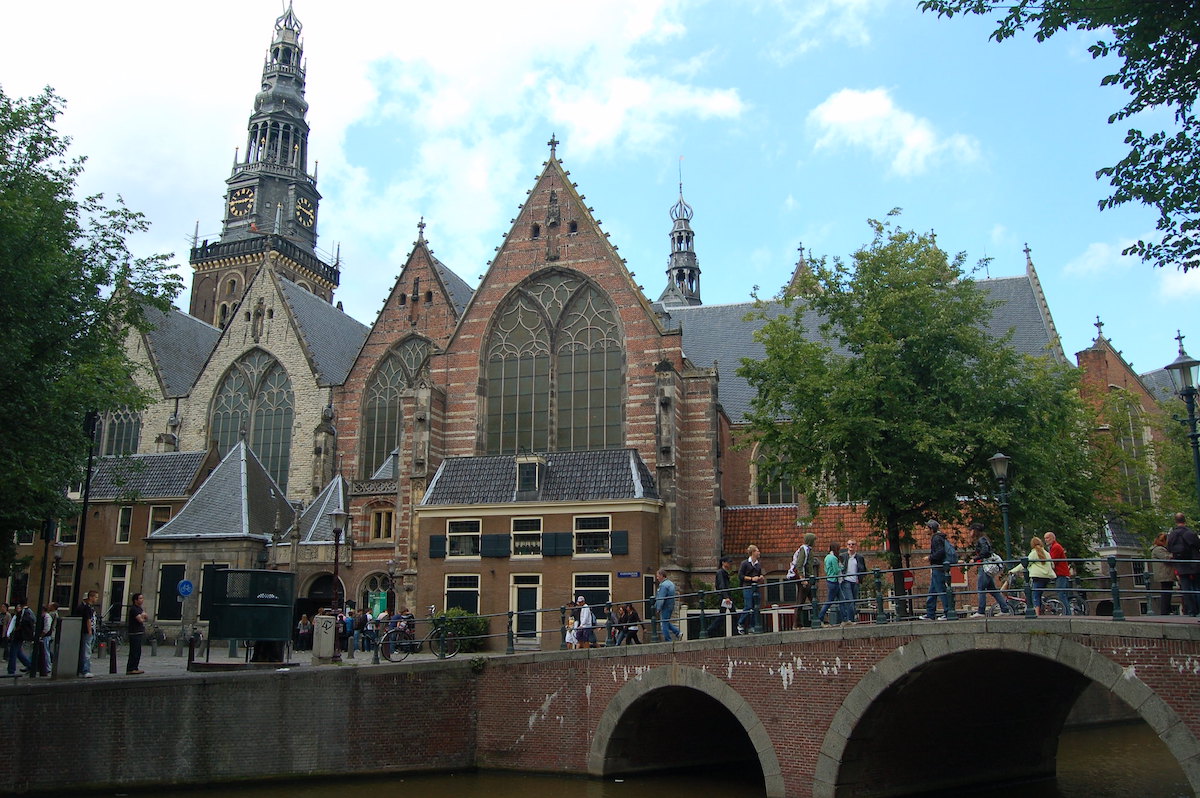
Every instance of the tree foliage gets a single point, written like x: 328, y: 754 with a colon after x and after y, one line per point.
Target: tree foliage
x: 880, y: 384
x: 71, y: 292
x: 1158, y: 44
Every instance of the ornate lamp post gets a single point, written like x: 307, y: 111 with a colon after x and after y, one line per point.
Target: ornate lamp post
x: 999, y: 463
x: 1183, y: 371
x: 338, y: 519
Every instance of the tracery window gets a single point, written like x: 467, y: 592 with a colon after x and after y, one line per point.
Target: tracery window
x: 769, y: 486
x: 122, y: 431
x: 255, y: 401
x: 400, y: 370
x: 555, y: 369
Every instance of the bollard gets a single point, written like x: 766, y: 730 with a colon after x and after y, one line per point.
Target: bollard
x: 374, y: 652
x: 703, y: 621
x: 179, y: 644
x: 653, y: 615
x: 1030, y: 610
x: 233, y: 649
x: 511, y: 648
x: 154, y: 645
x: 112, y: 655
x: 562, y: 611
x: 880, y: 614
x: 191, y: 651
x: 951, y: 613
x: 1118, y: 613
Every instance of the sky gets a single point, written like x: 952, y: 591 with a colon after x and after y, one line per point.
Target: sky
x: 792, y: 123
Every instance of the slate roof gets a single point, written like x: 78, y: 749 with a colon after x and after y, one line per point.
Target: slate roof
x: 721, y: 334
x: 387, y: 469
x: 1115, y: 535
x: 460, y: 292
x: 168, y: 475
x: 331, y: 337
x: 238, y: 500
x: 1158, y: 383
x: 605, y: 475
x: 179, y: 346
x: 315, y: 524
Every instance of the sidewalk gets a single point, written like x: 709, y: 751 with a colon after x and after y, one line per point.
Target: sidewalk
x: 166, y: 663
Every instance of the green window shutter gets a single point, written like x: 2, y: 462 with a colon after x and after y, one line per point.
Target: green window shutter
x: 557, y: 544
x: 437, y: 546
x: 619, y: 542
x: 494, y: 546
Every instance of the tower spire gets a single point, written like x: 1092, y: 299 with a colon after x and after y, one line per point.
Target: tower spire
x: 683, y: 268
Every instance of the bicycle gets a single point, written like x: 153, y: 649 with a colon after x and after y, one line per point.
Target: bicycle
x: 398, y: 643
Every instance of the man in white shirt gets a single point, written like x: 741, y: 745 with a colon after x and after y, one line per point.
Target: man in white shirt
x: 853, y: 566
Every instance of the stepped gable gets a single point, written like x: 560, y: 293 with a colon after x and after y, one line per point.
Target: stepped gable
x: 239, y: 499
x: 608, y: 474
x: 142, y: 476
x: 724, y: 334
x: 331, y: 338
x: 179, y: 346
x: 315, y: 524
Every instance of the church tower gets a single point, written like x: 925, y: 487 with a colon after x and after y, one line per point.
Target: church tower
x: 683, y: 268
x: 271, y: 200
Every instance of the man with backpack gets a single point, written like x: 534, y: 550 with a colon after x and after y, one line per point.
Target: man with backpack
x: 1184, y: 546
x: 804, y: 568
x: 941, y: 553
x: 23, y: 630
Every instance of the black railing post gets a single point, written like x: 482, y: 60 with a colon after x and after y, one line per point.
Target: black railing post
x: 1030, y: 610
x: 563, y: 628
x: 703, y: 621
x: 880, y: 614
x: 511, y: 648
x: 1118, y: 613
x: 951, y: 613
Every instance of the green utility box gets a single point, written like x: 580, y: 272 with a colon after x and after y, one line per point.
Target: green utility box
x: 252, y: 605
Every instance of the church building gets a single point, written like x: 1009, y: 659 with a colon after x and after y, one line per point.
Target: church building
x: 548, y: 433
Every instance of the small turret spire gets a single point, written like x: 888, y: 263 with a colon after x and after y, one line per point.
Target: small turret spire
x: 683, y: 268
x: 421, y: 231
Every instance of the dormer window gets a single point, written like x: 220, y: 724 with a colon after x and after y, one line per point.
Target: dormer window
x: 531, y: 471
x: 536, y: 233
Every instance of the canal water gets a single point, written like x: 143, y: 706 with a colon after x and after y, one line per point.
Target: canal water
x: 1121, y: 760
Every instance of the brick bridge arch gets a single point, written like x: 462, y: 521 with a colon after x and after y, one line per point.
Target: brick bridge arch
x: 857, y: 753
x: 613, y: 744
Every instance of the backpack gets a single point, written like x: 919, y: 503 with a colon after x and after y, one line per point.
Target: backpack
x: 951, y: 553
x: 985, y: 548
x: 27, y: 626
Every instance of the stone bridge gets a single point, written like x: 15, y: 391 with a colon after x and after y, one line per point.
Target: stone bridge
x: 885, y: 710
x: 888, y: 710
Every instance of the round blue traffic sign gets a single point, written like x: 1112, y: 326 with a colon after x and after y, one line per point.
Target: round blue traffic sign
x: 185, y: 588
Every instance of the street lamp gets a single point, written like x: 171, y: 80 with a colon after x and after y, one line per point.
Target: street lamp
x: 338, y: 519
x: 999, y: 463
x: 1183, y: 379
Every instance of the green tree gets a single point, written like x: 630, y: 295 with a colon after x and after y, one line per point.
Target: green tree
x: 72, y: 290
x: 1157, y: 43
x: 879, y: 384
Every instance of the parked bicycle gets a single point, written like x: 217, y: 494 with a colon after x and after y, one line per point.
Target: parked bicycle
x: 1016, y: 601
x: 398, y: 643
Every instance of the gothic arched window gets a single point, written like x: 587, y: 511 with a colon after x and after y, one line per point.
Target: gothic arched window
x: 400, y: 369
x: 122, y: 430
x: 555, y: 369
x: 255, y: 401
x: 769, y: 487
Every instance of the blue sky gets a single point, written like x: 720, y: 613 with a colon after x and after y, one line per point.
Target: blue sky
x: 797, y: 121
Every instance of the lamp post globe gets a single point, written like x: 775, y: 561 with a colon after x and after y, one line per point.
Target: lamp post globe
x: 1183, y: 371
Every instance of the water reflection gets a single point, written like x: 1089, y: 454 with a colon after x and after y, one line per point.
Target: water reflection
x: 1092, y: 763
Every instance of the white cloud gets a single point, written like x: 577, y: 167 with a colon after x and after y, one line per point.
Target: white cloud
x: 810, y: 24
x: 1176, y: 285
x: 871, y: 120
x: 1101, y: 257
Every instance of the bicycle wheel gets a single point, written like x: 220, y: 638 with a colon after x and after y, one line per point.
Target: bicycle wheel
x: 444, y: 646
x: 389, y: 646
x: 1078, y: 607
x: 1053, y: 606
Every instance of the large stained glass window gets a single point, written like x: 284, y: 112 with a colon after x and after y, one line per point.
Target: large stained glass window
x: 122, y: 429
x: 555, y: 369
x: 400, y: 370
x: 255, y: 401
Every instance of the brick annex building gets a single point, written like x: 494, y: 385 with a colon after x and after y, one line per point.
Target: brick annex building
x: 551, y: 432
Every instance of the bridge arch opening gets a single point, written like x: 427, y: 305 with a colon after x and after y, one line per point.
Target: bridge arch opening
x: 946, y: 720
x: 676, y: 718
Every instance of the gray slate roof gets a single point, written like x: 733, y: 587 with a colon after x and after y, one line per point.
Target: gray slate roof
x: 721, y: 334
x: 460, y: 292
x: 605, y: 475
x: 146, y: 476
x: 332, y: 338
x: 179, y: 345
x: 387, y: 469
x: 238, y: 500
x: 1158, y: 382
x: 315, y: 525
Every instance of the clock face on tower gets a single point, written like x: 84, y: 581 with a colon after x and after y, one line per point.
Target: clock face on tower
x: 306, y: 212
x: 241, y: 202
